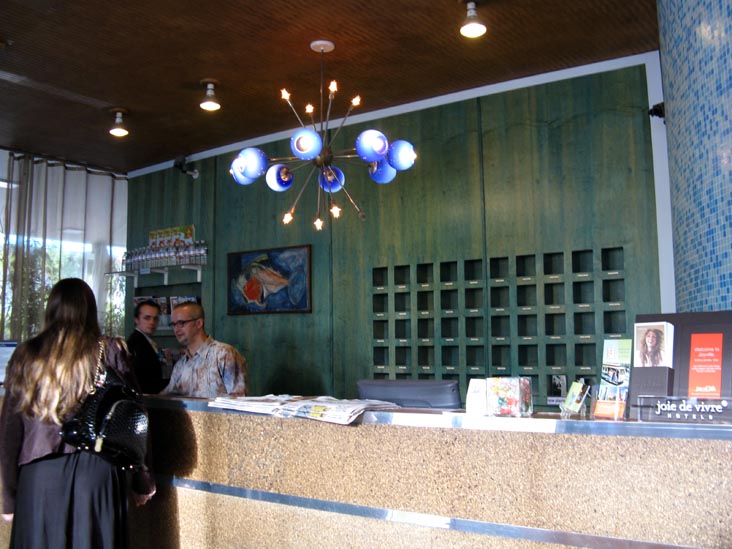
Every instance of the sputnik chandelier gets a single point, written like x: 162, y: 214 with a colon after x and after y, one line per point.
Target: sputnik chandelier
x: 313, y: 147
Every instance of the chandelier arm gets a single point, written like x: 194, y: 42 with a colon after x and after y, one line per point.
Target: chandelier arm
x: 320, y: 192
x: 330, y: 170
x: 301, y: 166
x: 345, y: 151
x: 348, y: 112
x: 333, y: 208
x: 361, y: 215
x: 284, y: 159
x: 305, y: 184
x: 329, y: 192
x: 340, y: 181
x: 327, y: 118
x: 295, y: 113
x: 322, y: 78
x: 342, y: 184
x: 352, y: 160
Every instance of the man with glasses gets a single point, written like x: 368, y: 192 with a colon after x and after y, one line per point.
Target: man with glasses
x: 147, y: 359
x: 207, y: 368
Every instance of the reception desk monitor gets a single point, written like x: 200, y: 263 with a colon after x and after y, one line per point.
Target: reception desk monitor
x: 409, y: 393
x: 6, y: 351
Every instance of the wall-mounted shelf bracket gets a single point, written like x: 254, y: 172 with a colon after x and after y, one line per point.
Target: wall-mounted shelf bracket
x: 163, y: 272
x: 196, y: 268
x: 124, y: 273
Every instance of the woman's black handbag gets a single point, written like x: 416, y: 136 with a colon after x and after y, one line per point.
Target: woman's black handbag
x: 112, y: 421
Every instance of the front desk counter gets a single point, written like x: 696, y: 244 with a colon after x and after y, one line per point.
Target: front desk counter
x: 416, y: 479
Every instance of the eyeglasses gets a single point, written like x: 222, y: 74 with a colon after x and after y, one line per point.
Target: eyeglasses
x: 181, y: 323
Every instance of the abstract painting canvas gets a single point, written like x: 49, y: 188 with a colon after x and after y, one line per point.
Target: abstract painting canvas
x: 273, y: 280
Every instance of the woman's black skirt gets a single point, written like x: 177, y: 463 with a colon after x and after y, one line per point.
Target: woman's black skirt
x: 71, y: 500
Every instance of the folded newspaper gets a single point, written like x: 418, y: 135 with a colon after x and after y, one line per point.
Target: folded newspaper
x: 322, y: 408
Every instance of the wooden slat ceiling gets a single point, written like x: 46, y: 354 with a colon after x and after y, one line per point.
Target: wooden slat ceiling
x: 64, y: 64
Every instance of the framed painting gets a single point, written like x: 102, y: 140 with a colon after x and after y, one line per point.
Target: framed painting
x: 275, y: 280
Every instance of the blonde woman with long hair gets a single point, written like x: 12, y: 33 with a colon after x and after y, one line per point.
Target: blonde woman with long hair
x: 55, y: 495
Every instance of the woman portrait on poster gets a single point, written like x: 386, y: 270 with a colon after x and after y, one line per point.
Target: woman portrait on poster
x: 651, y: 351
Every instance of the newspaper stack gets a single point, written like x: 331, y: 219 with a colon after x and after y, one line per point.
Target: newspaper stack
x: 322, y: 408
x: 258, y: 405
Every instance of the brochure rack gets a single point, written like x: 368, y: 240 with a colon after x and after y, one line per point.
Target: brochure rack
x: 701, y: 366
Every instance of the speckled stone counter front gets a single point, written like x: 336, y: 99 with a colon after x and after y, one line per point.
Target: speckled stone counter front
x: 228, y: 479
x: 624, y: 489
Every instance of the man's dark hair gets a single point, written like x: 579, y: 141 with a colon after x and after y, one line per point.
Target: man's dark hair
x: 149, y: 303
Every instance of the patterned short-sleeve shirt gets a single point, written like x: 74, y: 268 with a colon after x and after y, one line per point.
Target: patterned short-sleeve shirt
x: 215, y: 369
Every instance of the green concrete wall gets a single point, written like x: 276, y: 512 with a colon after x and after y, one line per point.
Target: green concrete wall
x: 552, y: 168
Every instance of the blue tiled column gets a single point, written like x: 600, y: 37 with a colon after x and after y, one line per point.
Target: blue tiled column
x: 696, y: 60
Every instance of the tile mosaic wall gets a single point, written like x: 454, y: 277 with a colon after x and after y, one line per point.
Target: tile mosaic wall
x: 696, y: 58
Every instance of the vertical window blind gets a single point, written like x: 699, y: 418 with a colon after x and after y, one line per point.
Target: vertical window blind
x: 58, y: 220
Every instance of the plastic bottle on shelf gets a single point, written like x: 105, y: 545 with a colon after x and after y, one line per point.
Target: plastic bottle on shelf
x: 147, y: 260
x: 193, y: 253
x: 188, y: 253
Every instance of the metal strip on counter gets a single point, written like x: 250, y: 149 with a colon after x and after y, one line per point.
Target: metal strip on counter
x: 541, y: 535
x: 460, y: 420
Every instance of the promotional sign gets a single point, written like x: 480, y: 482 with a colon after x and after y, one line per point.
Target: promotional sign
x: 612, y: 394
x: 654, y: 344
x: 705, y: 365
x: 172, y: 236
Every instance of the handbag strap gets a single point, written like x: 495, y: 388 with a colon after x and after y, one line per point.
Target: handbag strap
x: 100, y: 375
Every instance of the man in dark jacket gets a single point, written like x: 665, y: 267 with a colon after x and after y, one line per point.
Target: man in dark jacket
x: 147, y: 360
